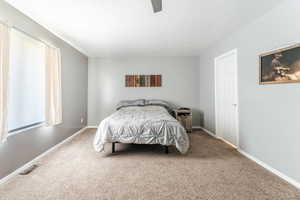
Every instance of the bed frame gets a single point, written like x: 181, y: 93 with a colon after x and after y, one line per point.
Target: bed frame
x: 113, y: 148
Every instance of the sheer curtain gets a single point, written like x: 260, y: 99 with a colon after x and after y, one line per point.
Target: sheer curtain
x: 53, y: 86
x: 4, y: 78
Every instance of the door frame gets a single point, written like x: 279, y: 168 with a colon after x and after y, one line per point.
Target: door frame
x: 235, y: 52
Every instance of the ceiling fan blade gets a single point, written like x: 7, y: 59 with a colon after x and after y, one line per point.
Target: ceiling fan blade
x: 157, y: 5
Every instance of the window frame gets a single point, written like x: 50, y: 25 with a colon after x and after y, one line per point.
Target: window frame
x: 26, y: 128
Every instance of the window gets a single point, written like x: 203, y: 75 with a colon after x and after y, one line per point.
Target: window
x: 27, y: 81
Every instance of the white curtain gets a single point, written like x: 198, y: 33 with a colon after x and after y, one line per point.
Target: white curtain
x: 4, y: 78
x: 53, y: 87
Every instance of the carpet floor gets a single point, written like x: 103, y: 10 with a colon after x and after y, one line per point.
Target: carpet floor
x: 212, y: 170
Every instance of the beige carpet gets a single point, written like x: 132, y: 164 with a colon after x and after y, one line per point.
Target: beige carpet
x: 212, y: 171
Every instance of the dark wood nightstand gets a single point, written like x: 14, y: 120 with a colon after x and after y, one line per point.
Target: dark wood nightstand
x: 184, y: 116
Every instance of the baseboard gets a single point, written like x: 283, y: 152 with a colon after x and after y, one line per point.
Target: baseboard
x: 196, y: 127
x: 233, y: 146
x: 209, y: 132
x: 271, y: 169
x: 219, y: 138
x: 259, y: 162
x: 17, y: 171
x: 92, y: 127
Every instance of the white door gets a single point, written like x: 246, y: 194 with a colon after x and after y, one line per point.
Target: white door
x: 226, y: 98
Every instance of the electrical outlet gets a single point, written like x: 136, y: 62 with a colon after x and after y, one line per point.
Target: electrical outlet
x: 81, y: 120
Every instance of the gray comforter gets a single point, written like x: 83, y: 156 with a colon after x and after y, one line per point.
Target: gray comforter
x: 142, y: 125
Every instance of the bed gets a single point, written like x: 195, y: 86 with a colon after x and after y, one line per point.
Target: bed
x: 142, y: 122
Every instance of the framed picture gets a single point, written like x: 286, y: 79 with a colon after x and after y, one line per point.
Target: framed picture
x: 280, y: 66
x: 143, y: 81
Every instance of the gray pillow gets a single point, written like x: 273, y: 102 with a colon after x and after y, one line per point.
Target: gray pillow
x: 126, y: 103
x: 169, y: 106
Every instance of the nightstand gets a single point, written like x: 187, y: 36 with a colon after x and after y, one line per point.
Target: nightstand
x: 184, y: 116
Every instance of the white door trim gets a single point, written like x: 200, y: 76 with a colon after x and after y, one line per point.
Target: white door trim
x: 235, y: 52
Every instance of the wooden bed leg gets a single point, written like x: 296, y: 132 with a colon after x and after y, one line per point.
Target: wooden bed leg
x: 113, y: 147
x: 166, y: 149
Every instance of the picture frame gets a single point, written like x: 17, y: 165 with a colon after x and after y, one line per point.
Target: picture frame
x: 280, y: 66
x: 143, y: 80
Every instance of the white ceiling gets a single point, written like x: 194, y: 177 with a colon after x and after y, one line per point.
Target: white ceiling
x: 110, y: 28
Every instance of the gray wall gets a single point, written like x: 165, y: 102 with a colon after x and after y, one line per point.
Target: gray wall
x: 23, y: 147
x: 269, y: 114
x: 107, y: 83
